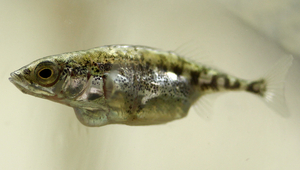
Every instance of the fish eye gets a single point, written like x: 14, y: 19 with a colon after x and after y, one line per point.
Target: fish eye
x: 46, y: 73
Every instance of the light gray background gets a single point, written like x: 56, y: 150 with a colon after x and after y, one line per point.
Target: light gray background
x: 241, y: 37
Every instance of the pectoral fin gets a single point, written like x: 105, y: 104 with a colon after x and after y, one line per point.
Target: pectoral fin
x: 91, y: 118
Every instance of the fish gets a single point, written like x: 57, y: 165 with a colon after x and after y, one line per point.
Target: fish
x: 138, y: 85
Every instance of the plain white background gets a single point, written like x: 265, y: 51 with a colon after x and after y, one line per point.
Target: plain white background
x: 243, y: 133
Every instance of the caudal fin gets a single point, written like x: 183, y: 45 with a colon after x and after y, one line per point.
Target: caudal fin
x: 271, y: 86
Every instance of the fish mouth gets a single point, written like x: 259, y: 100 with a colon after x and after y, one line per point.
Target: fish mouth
x: 18, y: 81
x: 14, y: 78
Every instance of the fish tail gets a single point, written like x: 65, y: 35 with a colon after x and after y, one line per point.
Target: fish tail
x: 271, y: 87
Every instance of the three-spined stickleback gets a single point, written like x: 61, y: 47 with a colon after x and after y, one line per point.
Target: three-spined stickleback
x: 136, y: 85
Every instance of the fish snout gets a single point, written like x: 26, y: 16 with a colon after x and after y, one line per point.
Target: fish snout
x: 15, y: 76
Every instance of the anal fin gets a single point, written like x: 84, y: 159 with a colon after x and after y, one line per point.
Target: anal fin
x: 204, y: 105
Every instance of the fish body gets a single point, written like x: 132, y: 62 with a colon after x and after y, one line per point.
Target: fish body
x: 123, y: 84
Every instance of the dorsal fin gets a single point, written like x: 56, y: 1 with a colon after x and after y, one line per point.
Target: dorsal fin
x: 193, y: 52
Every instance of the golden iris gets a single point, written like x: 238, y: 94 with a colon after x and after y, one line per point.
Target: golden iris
x: 46, y: 73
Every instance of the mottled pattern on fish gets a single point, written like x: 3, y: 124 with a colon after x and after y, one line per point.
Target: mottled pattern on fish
x: 132, y: 85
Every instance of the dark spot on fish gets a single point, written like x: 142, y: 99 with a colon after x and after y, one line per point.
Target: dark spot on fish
x: 250, y: 88
x: 141, y: 68
x: 93, y: 96
x: 72, y: 73
x: 236, y: 85
x: 148, y: 65
x: 139, y: 108
x: 88, y: 75
x: 107, y: 66
x: 142, y: 57
x: 26, y: 71
x: 107, y: 86
x: 227, y: 82
x: 162, y: 66
x: 227, y: 85
x: 257, y: 90
x: 214, y: 83
x: 195, y: 77
x: 177, y: 69
x: 100, y: 66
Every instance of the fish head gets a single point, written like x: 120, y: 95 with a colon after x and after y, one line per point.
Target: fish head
x: 41, y: 78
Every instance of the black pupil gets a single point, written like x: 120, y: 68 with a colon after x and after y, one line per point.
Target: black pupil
x: 46, y: 73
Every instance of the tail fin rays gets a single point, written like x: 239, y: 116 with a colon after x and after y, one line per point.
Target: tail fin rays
x: 275, y: 81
